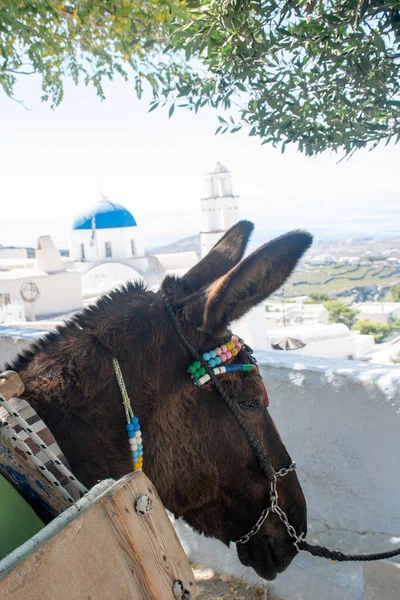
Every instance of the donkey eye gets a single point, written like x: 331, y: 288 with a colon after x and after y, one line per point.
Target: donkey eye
x: 250, y: 404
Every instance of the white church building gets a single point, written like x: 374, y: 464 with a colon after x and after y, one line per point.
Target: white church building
x: 219, y: 210
x: 108, y: 232
x: 106, y: 249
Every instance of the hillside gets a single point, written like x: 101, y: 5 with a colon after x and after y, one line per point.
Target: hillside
x: 187, y: 244
x: 359, y: 282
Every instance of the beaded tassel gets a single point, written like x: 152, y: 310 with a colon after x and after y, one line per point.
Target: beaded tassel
x: 132, y: 426
x: 135, y: 441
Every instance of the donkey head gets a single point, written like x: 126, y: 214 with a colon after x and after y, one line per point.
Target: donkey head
x: 209, y: 475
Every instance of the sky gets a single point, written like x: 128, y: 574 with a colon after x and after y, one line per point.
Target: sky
x: 56, y: 163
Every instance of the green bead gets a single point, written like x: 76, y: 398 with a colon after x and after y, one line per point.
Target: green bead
x: 248, y: 367
x: 202, y: 371
x: 197, y: 365
x: 196, y: 375
x: 192, y: 369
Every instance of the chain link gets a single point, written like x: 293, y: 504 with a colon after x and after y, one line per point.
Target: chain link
x: 285, y: 471
x: 290, y: 529
x: 273, y: 496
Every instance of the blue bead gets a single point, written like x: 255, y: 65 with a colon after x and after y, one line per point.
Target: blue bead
x: 212, y: 362
x: 134, y: 420
x: 135, y: 454
x: 140, y: 453
x: 218, y: 361
x: 212, y: 354
x: 131, y: 434
x: 140, y: 447
x: 129, y: 427
x: 136, y: 427
x: 206, y: 356
x: 233, y: 368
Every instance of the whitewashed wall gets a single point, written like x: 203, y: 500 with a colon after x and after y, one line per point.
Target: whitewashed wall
x: 120, y: 238
x: 59, y: 292
x: 12, y: 253
x: 341, y: 423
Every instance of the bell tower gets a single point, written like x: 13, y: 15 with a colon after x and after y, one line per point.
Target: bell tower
x: 220, y: 208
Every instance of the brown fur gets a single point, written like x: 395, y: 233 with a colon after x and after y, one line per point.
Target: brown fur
x: 195, y: 453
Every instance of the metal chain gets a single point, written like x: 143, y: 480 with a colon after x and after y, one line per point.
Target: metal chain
x: 290, y: 529
x: 272, y: 508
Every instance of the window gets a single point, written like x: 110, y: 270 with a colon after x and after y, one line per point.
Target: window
x: 108, y: 250
x: 4, y: 300
x: 83, y: 252
x: 133, y: 248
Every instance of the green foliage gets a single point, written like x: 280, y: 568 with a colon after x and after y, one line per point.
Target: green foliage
x: 317, y: 298
x: 321, y: 74
x: 394, y: 324
x: 89, y: 40
x: 339, y: 312
x: 317, y: 73
x: 378, y: 330
x: 395, y: 291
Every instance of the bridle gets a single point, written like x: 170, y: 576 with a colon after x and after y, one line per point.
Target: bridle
x: 257, y: 447
x: 274, y: 508
x: 266, y: 466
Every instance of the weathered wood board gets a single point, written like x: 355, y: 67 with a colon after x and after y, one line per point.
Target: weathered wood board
x: 108, y: 552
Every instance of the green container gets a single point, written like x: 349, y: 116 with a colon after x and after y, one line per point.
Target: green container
x: 18, y: 521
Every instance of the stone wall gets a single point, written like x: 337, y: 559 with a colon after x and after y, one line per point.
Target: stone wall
x: 340, y: 421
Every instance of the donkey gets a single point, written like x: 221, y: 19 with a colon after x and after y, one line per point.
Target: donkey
x: 196, y: 455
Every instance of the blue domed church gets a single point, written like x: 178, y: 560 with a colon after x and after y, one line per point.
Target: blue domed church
x: 106, y: 245
x: 107, y: 248
x: 106, y: 232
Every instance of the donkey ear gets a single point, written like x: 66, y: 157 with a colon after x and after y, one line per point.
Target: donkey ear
x: 226, y: 253
x: 252, y: 280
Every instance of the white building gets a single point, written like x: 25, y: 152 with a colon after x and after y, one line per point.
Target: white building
x: 219, y: 210
x: 295, y: 313
x: 106, y: 233
x: 106, y: 250
x: 322, y: 260
x: 45, y: 288
x: 386, y: 353
x: 12, y: 253
x: 382, y: 312
x: 328, y: 341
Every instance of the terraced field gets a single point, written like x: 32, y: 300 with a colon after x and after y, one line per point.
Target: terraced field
x: 334, y: 280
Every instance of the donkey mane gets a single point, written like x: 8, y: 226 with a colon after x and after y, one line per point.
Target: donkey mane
x: 112, y: 299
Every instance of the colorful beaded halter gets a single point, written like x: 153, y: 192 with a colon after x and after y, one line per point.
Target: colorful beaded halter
x: 216, y: 358
x: 132, y: 423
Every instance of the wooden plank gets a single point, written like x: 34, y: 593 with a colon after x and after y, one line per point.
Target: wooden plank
x: 11, y: 385
x: 82, y: 562
x: 149, y: 542
x: 108, y: 552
